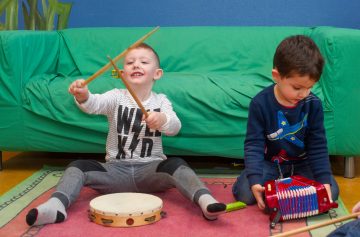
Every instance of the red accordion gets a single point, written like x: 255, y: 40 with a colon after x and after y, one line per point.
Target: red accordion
x: 296, y: 197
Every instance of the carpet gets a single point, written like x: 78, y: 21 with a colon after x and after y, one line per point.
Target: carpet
x: 183, y: 217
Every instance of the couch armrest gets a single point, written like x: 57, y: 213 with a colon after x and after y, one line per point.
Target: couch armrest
x: 23, y: 54
x: 341, y: 86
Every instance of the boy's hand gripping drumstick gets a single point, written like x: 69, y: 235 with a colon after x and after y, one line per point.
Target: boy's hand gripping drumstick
x: 107, y: 66
x: 128, y: 87
x: 311, y: 227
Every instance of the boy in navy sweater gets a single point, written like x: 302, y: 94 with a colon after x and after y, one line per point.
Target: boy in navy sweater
x: 285, y: 132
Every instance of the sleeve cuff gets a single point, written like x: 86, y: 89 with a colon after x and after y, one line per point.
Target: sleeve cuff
x: 84, y: 104
x: 166, y: 125
x: 255, y: 179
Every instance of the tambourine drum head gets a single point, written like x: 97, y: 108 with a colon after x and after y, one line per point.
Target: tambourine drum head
x: 125, y: 209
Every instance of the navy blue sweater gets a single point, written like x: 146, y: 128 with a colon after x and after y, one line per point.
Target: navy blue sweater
x: 285, y: 135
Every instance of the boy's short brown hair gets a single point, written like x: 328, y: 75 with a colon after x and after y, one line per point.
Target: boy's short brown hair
x: 298, y: 55
x: 146, y: 46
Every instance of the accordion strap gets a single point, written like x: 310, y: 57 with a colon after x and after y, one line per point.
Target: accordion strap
x: 281, y: 175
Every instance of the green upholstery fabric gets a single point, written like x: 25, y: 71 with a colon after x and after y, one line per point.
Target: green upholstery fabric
x: 211, y: 74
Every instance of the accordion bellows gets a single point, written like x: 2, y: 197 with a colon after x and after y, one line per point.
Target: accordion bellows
x: 296, y: 197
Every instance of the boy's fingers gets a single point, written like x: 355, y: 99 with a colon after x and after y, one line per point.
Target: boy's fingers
x: 79, y: 84
x: 260, y: 201
x: 261, y: 205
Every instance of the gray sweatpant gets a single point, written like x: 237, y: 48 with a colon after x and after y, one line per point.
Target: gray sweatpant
x: 125, y: 176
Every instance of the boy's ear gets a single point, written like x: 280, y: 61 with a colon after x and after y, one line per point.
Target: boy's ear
x: 276, y: 75
x: 158, y: 74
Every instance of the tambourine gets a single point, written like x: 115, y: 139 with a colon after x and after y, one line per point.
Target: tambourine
x: 125, y: 209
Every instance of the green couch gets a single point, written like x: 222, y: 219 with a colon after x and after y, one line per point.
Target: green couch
x: 211, y: 74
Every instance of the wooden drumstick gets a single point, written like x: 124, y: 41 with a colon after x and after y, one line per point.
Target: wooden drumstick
x: 311, y: 227
x: 128, y: 87
x: 108, y: 65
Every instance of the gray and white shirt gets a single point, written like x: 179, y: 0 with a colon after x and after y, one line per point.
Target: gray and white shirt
x: 128, y: 137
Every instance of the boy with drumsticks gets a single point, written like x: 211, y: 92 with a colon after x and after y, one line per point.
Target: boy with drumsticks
x: 135, y: 161
x: 285, y: 132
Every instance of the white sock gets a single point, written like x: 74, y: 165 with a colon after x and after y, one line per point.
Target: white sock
x: 52, y: 211
x: 210, y: 207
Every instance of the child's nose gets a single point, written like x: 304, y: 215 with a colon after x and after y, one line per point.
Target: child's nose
x: 136, y: 64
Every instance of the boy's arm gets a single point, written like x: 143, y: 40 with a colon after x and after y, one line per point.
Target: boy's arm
x: 254, y: 152
x: 254, y: 145
x: 172, y: 124
x: 316, y: 143
x: 98, y: 103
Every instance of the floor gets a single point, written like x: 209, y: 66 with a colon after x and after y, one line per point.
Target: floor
x: 17, y: 166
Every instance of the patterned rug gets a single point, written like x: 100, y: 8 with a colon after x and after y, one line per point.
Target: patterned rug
x: 183, y: 217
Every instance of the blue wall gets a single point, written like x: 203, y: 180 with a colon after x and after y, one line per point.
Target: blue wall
x: 92, y: 13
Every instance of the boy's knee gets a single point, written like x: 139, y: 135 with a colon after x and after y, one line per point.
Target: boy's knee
x: 242, y: 192
x: 334, y: 189
x: 170, y: 165
x: 335, y: 194
x: 245, y: 197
